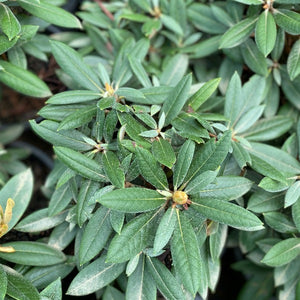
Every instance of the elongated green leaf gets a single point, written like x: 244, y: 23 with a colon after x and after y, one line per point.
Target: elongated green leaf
x: 196, y: 100
x: 186, y: 254
x: 71, y: 62
x: 6, y: 44
x: 283, y: 252
x: 112, y: 169
x: 165, y: 281
x: 33, y: 254
x: 71, y: 97
x: 263, y: 201
x: 3, y: 282
x: 254, y: 58
x: 292, y: 195
x: 209, y: 156
x: 65, y: 138
x: 165, y: 229
x: 95, y: 235
x: 241, y: 156
x: 296, y: 214
x: 226, y: 188
x: 265, y: 32
x: 277, y: 158
x: 200, y: 182
x: 133, y: 129
x: 174, y: 70
x: 287, y: 20
x: 19, y: 188
x: 43, y: 276
x: 163, y: 152
x: 249, y: 118
x: 140, y: 283
x: 217, y: 241
x: 280, y: 222
x: 53, y: 290
x: 80, y: 163
x: 227, y: 213
x: 139, y: 71
x: 253, y: 93
x: 232, y: 103
x: 238, y: 33
x: 293, y: 62
x: 183, y: 163
x: 176, y: 99
x: 59, y: 200
x: 150, y: 169
x: 19, y: 287
x: 23, y: 81
x: 134, y: 237
x: 265, y: 168
x: 132, y: 199
x: 10, y: 25
x: 268, y: 129
x: 50, y: 13
x: 95, y: 276
x: 83, y: 208
x: 171, y: 24
x: 40, y: 221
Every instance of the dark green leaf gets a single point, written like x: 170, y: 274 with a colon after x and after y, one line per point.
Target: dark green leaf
x: 3, y: 282
x: 71, y: 62
x: 19, y: 287
x: 50, y: 13
x: 165, y: 281
x: 183, y: 163
x: 209, y: 156
x: 226, y: 188
x: 95, y: 235
x: 176, y: 99
x: 140, y: 283
x: 203, y: 93
x: 186, y: 254
x: 80, y: 163
x: 238, y: 33
x: 112, y: 169
x: 23, y: 81
x: 227, y: 213
x: 132, y: 199
x: 150, y: 169
x: 165, y: 229
x: 135, y: 236
x: 163, y: 152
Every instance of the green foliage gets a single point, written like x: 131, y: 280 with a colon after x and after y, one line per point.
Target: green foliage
x: 178, y: 136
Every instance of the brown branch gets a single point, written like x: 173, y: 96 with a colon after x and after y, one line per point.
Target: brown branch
x: 105, y: 10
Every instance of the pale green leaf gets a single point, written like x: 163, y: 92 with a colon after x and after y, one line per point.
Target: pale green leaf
x: 96, y: 275
x: 265, y: 32
x: 283, y: 252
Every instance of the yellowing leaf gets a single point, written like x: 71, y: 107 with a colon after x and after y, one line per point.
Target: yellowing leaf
x: 8, y: 249
x: 8, y: 210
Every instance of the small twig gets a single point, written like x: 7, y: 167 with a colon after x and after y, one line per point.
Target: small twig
x: 105, y: 10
